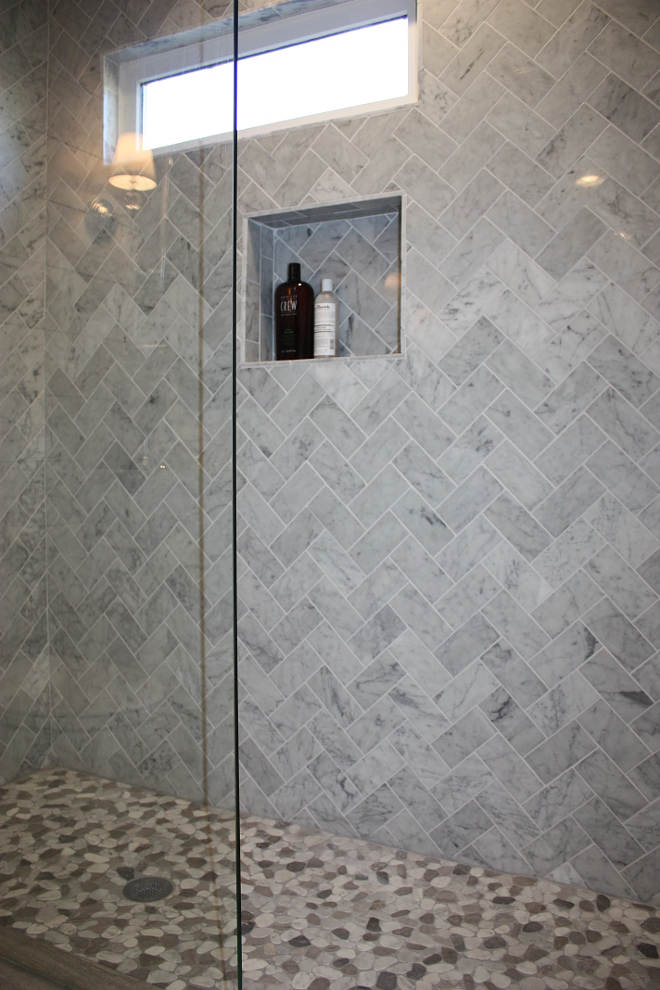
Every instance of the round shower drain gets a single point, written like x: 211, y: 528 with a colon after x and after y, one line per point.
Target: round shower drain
x: 147, y: 889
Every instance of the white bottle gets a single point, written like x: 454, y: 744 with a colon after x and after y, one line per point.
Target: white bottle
x: 326, y: 321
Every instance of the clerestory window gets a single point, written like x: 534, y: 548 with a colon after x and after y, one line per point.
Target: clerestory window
x: 336, y: 61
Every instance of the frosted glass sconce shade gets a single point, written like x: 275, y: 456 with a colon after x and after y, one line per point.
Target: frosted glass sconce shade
x: 132, y: 167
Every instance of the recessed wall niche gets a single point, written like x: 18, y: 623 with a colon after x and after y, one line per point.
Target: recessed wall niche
x: 356, y: 244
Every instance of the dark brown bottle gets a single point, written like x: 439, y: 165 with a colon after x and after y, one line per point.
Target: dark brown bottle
x: 294, y: 318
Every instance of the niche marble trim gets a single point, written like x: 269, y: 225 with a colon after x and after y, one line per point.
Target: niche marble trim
x: 358, y: 244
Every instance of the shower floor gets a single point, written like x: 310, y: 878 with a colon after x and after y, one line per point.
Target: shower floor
x: 320, y: 912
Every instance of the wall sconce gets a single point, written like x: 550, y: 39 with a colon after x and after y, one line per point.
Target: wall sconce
x: 100, y: 219
x: 133, y: 170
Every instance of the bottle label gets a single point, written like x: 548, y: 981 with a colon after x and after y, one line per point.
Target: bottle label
x: 288, y: 343
x: 289, y: 304
x: 324, y: 329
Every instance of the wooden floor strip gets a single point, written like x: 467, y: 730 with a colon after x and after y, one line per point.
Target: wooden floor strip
x: 63, y: 969
x: 13, y: 978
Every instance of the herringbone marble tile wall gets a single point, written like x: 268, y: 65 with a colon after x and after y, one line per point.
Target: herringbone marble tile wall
x: 138, y: 367
x: 24, y: 698
x: 450, y: 561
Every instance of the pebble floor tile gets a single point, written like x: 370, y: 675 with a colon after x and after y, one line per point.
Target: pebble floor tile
x: 320, y: 912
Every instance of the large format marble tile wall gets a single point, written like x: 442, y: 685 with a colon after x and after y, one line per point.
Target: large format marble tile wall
x: 138, y: 366
x: 451, y: 561
x: 24, y: 699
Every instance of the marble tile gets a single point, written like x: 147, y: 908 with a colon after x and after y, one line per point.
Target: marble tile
x: 569, y: 501
x: 559, y: 799
x: 621, y: 260
x: 630, y: 376
x: 421, y: 570
x: 415, y: 416
x: 568, y: 451
x: 624, y: 160
x: 468, y: 596
x: 618, y: 635
x: 572, y: 241
x: 482, y: 90
x: 468, y: 548
x: 620, y: 690
x: 500, y: 85
x: 471, y: 449
x: 621, y: 529
x: 468, y: 305
x: 622, y: 477
x: 571, y: 141
x: 637, y: 17
x: 466, y: 644
x: 463, y: 21
x: 619, y: 421
x: 510, y: 769
x: 464, y: 164
x: 438, y: 51
x: 624, y: 212
x: 517, y: 271
x: 514, y: 674
x: 510, y: 619
x: 471, y: 350
x: 524, y: 28
x: 520, y: 374
x: 473, y: 57
x: 622, y: 746
x: 563, y: 703
x: 620, y: 582
x: 471, y: 252
x: 517, y: 577
x: 620, y: 104
x: 428, y: 236
x: 568, y: 747
x: 521, y: 426
x: 514, y: 725
x: 572, y: 294
x: 575, y: 86
x: 470, y: 400
x: 518, y: 527
x: 522, y: 126
x: 469, y: 499
x: 611, y: 785
x: 567, y: 603
x: 546, y: 850
x: 571, y: 398
x: 471, y: 204
x: 520, y: 223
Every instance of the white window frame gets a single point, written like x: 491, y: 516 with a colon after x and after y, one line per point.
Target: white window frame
x: 134, y: 68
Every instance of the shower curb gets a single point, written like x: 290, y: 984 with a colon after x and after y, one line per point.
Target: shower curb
x: 73, y: 972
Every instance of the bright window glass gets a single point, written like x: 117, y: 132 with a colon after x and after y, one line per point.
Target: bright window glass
x: 187, y: 106
x: 351, y: 69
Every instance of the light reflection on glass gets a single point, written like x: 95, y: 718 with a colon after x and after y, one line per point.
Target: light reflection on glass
x: 590, y: 181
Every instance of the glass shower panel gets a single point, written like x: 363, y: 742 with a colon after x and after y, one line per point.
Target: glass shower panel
x: 24, y: 695
x: 138, y: 358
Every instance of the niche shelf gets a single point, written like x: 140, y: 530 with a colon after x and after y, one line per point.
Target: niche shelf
x: 356, y: 244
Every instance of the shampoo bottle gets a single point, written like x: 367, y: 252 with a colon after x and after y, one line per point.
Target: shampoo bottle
x: 294, y: 318
x: 326, y: 321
